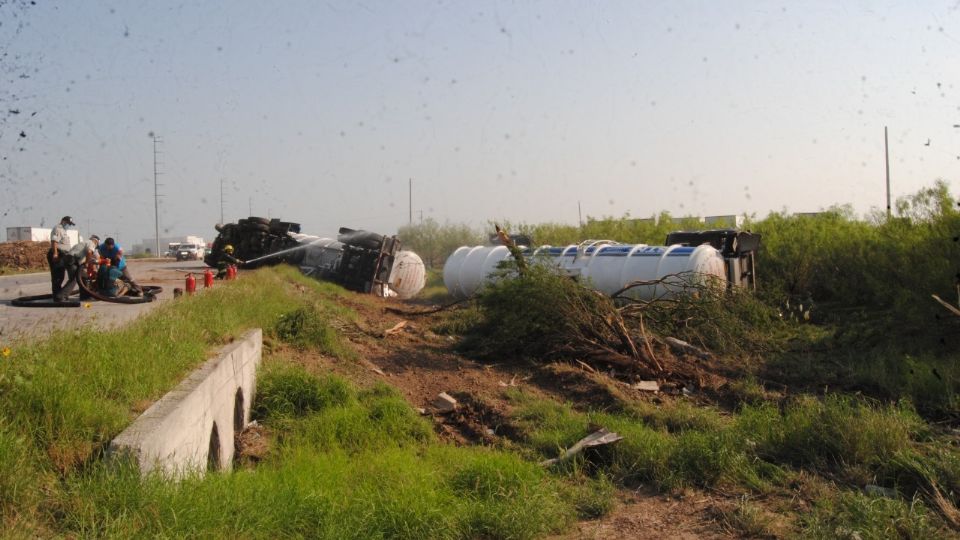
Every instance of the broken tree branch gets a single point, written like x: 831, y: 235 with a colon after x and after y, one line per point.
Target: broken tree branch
x: 950, y: 308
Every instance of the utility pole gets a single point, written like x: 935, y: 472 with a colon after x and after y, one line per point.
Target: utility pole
x: 250, y: 205
x: 886, y: 152
x: 156, y: 193
x: 410, y: 203
x: 221, y: 200
x: 579, y: 214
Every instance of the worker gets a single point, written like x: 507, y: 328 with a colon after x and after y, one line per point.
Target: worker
x: 108, y: 277
x: 60, y: 244
x: 83, y: 253
x: 225, y: 260
x: 112, y: 251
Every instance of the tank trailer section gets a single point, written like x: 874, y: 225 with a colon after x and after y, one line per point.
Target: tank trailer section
x: 689, y: 258
x: 360, y: 261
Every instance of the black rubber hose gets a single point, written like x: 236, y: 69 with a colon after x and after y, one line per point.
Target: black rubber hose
x: 150, y: 293
x: 37, y: 300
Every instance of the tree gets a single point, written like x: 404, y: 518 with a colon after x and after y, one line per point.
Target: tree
x: 435, y: 242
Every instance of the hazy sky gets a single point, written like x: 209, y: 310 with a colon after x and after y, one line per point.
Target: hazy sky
x: 320, y: 112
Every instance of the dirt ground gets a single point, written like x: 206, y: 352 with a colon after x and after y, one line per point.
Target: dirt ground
x: 402, y: 351
x: 21, y: 256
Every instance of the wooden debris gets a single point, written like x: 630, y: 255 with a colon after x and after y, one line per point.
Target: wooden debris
x: 597, y: 438
x: 396, y: 329
x: 682, y: 346
x: 952, y: 309
x: 586, y: 366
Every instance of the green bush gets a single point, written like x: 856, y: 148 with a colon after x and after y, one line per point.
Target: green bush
x: 561, y: 313
x: 890, y: 265
x: 434, y: 242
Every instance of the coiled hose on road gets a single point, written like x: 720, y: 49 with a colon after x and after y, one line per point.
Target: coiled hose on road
x: 150, y: 293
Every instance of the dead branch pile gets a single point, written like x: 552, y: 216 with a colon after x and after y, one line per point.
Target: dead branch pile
x: 541, y: 315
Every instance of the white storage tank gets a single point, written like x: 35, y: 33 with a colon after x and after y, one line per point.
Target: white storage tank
x: 607, y: 268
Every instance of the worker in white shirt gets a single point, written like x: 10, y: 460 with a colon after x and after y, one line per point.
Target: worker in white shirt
x: 60, y: 244
x: 83, y: 257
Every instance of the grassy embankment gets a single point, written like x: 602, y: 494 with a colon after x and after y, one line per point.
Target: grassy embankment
x: 345, y: 463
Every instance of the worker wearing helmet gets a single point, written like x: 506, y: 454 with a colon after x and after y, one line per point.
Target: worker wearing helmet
x: 225, y: 260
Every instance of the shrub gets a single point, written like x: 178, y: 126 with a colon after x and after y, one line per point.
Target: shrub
x: 539, y: 303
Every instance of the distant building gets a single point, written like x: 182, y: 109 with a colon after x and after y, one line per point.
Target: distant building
x: 733, y: 221
x: 632, y: 221
x: 688, y: 219
x: 37, y: 234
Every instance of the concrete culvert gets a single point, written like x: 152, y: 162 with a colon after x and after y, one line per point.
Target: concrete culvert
x: 238, y: 416
x: 238, y: 423
x: 213, y: 452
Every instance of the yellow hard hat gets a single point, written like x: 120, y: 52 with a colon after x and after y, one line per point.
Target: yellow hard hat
x: 228, y: 248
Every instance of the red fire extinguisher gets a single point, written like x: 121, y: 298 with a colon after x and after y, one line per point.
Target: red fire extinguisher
x: 191, y: 285
x: 232, y: 271
x: 207, y: 279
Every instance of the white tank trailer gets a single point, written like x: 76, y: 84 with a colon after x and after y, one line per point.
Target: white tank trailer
x: 724, y: 255
x: 326, y: 258
x: 359, y: 260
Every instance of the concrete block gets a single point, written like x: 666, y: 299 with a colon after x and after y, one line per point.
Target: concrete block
x: 647, y: 386
x: 191, y: 429
x: 444, y: 403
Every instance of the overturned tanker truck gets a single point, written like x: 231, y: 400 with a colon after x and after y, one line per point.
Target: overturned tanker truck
x: 358, y: 260
x: 688, y: 258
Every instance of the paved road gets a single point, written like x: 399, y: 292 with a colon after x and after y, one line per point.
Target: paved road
x: 18, y: 323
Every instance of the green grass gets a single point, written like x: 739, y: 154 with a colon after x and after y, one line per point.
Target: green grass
x: 62, y: 400
x: 837, y: 431
x: 355, y: 464
x: 850, y: 515
x: 345, y: 463
x: 676, y: 445
x: 434, y: 290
